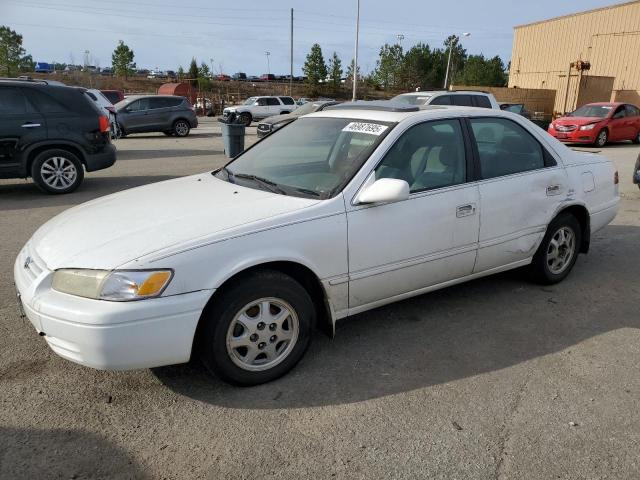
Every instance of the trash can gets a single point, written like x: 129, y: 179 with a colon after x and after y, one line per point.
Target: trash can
x: 232, y: 136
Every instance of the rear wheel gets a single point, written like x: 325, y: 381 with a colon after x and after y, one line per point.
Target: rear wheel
x: 636, y: 140
x: 602, y: 138
x: 181, y: 128
x: 558, y: 251
x: 258, y: 329
x: 57, y: 171
x: 246, y: 119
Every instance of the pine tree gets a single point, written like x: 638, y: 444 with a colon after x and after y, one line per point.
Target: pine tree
x: 335, y: 70
x: 314, y: 67
x: 122, y: 60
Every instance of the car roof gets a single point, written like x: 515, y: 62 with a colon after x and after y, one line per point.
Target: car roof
x: 605, y: 104
x: 423, y: 111
x: 137, y: 97
x: 425, y: 93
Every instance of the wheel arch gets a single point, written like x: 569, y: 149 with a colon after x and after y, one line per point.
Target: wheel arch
x: 580, y: 212
x: 34, y: 151
x: 178, y: 119
x: 303, y: 274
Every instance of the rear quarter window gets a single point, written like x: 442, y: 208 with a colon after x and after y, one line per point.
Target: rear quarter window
x: 287, y: 100
x: 481, y: 101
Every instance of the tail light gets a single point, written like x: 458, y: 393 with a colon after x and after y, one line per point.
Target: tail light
x: 104, y: 124
x: 616, y: 180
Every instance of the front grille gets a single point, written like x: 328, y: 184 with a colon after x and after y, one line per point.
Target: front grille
x: 566, y: 128
x: 31, y: 264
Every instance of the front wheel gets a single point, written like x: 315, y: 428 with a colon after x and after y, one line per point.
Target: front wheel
x: 246, y: 119
x: 57, y: 171
x: 558, y: 252
x: 602, y: 138
x: 181, y: 128
x: 257, y: 330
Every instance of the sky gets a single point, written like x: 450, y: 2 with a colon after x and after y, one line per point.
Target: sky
x: 235, y: 36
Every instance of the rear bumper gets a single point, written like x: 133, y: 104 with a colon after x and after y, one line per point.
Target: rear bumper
x: 102, y: 160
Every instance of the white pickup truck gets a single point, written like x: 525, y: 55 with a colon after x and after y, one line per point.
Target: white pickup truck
x: 259, y: 108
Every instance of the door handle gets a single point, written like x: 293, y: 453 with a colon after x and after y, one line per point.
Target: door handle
x: 30, y: 125
x: 553, y: 190
x: 466, y: 210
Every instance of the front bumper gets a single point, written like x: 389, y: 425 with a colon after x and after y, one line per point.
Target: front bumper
x: 109, y: 335
x: 264, y: 129
x: 576, y: 136
x: 102, y: 160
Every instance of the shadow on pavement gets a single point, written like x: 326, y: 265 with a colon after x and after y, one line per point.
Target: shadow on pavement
x: 24, y: 195
x: 35, y: 453
x: 455, y: 333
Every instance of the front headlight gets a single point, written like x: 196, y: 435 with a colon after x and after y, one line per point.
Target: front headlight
x: 588, y: 127
x: 276, y: 126
x: 116, y: 285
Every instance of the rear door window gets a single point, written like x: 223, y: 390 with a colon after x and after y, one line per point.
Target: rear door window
x: 462, y: 100
x: 272, y: 102
x: 139, y: 105
x: 12, y: 101
x: 505, y: 148
x: 481, y: 101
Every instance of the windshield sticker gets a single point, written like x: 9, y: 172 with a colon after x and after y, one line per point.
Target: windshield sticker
x: 361, y: 127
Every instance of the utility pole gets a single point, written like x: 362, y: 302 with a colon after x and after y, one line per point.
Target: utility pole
x: 400, y: 38
x: 291, y: 58
x: 211, y: 63
x: 355, y: 56
x: 453, y: 42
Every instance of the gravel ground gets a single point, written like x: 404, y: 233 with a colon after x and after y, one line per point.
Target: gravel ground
x: 497, y: 378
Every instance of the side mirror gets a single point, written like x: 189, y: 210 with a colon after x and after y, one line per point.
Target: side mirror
x: 384, y: 190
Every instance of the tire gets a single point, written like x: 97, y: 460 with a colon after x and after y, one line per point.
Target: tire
x: 636, y: 140
x: 121, y: 132
x: 57, y: 171
x: 266, y: 356
x: 181, y: 128
x: 602, y: 138
x: 552, y: 263
x: 246, y: 118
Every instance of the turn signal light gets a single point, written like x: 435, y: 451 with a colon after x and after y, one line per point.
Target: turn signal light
x: 616, y: 180
x: 104, y: 124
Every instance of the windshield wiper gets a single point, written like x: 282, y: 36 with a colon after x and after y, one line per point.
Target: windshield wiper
x: 306, y: 191
x: 272, y: 186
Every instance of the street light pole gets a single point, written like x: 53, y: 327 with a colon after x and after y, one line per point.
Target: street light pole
x: 452, y: 43
x: 355, y: 56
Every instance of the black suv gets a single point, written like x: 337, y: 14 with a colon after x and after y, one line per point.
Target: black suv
x: 51, y: 133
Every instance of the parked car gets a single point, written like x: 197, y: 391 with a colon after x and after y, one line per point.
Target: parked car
x: 223, y: 78
x: 258, y: 108
x: 598, y: 123
x: 636, y: 172
x: 332, y: 216
x: 169, y: 114
x: 52, y: 134
x: 303, y: 100
x: 270, y: 124
x: 106, y: 107
x: 107, y: 71
x: 114, y: 96
x: 517, y: 108
x: 239, y: 76
x: 444, y: 97
x: 267, y: 77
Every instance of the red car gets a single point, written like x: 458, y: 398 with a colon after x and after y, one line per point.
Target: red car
x: 598, y: 123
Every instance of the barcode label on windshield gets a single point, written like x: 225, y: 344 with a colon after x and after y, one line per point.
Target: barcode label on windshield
x: 362, y: 127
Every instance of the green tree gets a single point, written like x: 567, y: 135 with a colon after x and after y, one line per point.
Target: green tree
x: 12, y: 55
x: 122, y: 60
x: 314, y: 67
x: 481, y: 71
x: 388, y: 72
x: 335, y: 70
x: 180, y: 72
x: 203, y: 71
x: 194, y: 71
x: 350, y: 71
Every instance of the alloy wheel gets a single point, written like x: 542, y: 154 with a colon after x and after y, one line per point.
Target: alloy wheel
x: 262, y: 334
x: 58, y: 173
x: 561, y: 250
x: 181, y: 129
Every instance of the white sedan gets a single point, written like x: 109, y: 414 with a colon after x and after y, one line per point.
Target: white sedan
x: 337, y: 213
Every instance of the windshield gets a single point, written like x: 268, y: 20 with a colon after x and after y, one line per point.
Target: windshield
x: 600, y: 111
x: 411, y: 99
x: 311, y: 157
x: 250, y: 101
x: 307, y: 108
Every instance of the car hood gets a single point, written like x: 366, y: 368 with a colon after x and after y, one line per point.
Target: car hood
x: 236, y: 107
x: 279, y: 118
x: 578, y: 120
x: 110, y: 231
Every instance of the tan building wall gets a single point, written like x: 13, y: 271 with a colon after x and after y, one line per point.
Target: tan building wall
x: 609, y: 38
